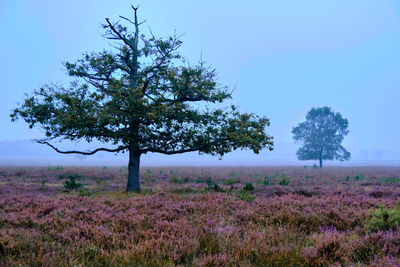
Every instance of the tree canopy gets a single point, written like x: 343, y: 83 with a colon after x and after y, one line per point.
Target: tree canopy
x: 142, y: 96
x: 321, y: 136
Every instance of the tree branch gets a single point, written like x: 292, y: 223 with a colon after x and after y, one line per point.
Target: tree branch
x: 171, y: 152
x: 118, y: 35
x: 80, y: 152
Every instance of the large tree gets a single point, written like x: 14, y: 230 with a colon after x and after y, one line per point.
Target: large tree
x: 321, y: 136
x: 142, y: 97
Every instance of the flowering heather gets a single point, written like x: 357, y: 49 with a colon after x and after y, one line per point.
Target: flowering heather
x: 315, y: 221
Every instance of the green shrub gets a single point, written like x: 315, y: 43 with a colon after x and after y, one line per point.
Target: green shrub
x: 217, y: 188
x: 284, y: 180
x: 209, y: 182
x: 176, y: 180
x: 230, y: 181
x: 392, y: 180
x: 266, y: 181
x: 359, y: 177
x: 85, y: 193
x: 72, y: 184
x: 200, y: 180
x: 383, y: 218
x: 211, y: 186
x: 248, y: 187
x: 245, y: 195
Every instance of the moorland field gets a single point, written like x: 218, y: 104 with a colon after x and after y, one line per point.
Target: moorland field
x: 190, y: 216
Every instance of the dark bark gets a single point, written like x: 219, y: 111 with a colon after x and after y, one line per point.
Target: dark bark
x: 320, y: 158
x: 133, y: 171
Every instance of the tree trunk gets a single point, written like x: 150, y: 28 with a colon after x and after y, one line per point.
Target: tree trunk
x: 133, y: 172
x: 320, y: 163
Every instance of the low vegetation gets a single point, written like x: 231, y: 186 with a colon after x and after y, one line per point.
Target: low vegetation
x: 200, y: 217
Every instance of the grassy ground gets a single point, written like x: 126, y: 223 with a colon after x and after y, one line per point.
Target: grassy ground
x: 289, y: 216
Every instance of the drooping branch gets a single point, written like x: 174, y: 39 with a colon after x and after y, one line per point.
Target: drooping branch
x: 172, y: 152
x: 120, y: 148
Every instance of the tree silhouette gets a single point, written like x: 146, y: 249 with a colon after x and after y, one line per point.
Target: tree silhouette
x: 321, y: 136
x: 142, y: 97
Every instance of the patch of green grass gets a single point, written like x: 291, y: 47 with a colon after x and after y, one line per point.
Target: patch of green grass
x: 230, y: 181
x: 245, y: 195
x: 85, y: 193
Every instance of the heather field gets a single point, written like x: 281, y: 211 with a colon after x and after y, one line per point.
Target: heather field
x: 218, y: 216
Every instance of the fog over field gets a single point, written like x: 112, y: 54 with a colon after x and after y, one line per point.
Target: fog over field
x: 284, y: 154
x: 281, y: 57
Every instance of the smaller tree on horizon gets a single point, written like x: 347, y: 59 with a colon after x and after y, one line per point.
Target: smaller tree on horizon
x: 321, y: 136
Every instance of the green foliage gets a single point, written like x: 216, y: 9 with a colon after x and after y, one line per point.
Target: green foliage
x: 315, y: 166
x: 245, y: 195
x: 199, y: 180
x: 321, y: 136
x: 85, y: 193
x: 209, y: 182
x: 72, y: 184
x: 383, y: 218
x: 359, y: 177
x: 230, y: 181
x: 284, y: 180
x: 264, y: 182
x: 140, y: 95
x: 211, y: 186
x: 248, y: 187
x: 60, y: 214
x: 392, y: 180
x: 176, y: 180
x: 216, y: 188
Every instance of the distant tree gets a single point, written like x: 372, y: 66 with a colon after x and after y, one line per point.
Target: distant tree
x: 142, y: 97
x: 321, y: 136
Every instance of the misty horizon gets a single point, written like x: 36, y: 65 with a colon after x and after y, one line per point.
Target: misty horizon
x: 348, y: 62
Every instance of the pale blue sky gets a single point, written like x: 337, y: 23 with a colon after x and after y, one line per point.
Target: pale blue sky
x: 285, y: 57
